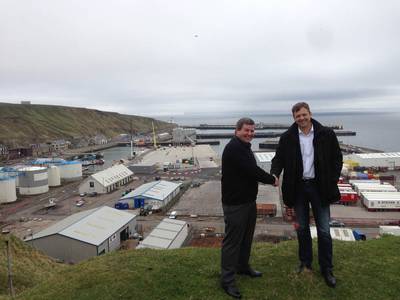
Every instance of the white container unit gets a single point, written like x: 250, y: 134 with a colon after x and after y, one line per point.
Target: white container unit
x: 70, y: 170
x: 394, y: 230
x: 54, y: 176
x: 33, y: 180
x: 381, y: 200
x: 7, y: 189
x: 356, y: 181
x: 366, y: 187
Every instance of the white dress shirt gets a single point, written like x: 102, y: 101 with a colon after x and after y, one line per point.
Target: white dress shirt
x: 307, y: 153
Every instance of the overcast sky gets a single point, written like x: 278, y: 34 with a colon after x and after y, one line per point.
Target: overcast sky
x: 172, y: 57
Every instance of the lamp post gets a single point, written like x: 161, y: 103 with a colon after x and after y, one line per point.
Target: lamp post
x: 6, y: 233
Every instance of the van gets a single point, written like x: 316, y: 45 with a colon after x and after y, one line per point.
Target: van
x: 173, y: 215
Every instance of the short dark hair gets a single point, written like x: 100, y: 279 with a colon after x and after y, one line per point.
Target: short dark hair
x: 299, y: 106
x: 242, y: 121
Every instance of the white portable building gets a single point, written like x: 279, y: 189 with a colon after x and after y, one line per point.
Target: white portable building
x: 337, y: 233
x: 381, y: 200
x: 394, y: 230
x: 107, y: 180
x: 388, y: 159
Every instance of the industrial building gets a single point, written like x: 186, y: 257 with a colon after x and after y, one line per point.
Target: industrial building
x: 264, y: 159
x: 143, y: 168
x: 107, y: 180
x: 389, y: 160
x: 169, y: 234
x: 156, y: 193
x: 85, y: 234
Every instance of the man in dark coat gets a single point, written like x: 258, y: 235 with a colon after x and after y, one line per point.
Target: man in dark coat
x: 311, y: 158
x: 240, y: 177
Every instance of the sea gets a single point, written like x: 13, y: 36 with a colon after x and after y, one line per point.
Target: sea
x: 380, y: 130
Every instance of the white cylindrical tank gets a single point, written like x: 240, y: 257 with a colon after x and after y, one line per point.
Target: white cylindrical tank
x: 54, y: 176
x: 70, y: 170
x: 33, y: 180
x: 7, y: 189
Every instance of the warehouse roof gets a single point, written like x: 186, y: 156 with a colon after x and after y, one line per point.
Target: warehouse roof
x: 163, y: 235
x: 93, y: 226
x: 112, y: 175
x: 264, y: 156
x: 158, y: 190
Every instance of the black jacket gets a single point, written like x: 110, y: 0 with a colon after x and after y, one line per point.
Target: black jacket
x: 240, y: 173
x: 328, y: 161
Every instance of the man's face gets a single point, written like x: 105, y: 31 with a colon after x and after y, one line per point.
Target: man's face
x: 246, y: 133
x: 302, y: 117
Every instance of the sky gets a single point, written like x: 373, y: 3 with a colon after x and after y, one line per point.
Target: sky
x: 161, y: 58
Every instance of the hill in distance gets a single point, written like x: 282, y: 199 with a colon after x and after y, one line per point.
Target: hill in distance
x: 30, y: 123
x: 365, y: 270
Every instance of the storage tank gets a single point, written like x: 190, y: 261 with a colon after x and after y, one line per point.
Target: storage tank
x: 33, y: 180
x: 70, y: 170
x: 7, y: 189
x: 54, y: 176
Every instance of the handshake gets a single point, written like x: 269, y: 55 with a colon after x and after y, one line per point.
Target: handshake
x: 276, y: 183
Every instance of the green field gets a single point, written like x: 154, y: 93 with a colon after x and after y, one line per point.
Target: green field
x: 365, y: 270
x: 44, y: 123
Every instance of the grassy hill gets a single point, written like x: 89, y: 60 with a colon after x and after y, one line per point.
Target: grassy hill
x: 29, y: 266
x: 365, y: 270
x: 41, y: 123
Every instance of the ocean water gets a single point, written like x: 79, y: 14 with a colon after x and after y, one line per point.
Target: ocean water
x: 378, y: 131
x: 374, y: 130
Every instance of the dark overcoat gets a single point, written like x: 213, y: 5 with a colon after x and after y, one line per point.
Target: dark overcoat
x: 328, y: 162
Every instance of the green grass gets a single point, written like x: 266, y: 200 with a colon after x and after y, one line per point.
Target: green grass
x: 43, y: 123
x: 365, y: 270
x: 29, y: 266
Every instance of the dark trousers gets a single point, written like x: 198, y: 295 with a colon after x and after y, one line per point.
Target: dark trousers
x: 240, y: 221
x: 309, y: 194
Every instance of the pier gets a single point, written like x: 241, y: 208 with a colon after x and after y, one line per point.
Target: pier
x: 258, y: 126
x: 271, y: 134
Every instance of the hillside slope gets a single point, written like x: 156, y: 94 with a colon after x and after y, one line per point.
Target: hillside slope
x: 29, y: 266
x: 365, y: 270
x: 41, y: 123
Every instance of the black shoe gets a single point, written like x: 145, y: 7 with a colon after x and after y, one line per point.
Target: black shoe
x: 304, y: 267
x: 250, y: 272
x: 232, y: 291
x: 329, y: 279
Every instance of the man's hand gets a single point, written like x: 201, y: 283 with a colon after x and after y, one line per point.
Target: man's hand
x: 276, y: 183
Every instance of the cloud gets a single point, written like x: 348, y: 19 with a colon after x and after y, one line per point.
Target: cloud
x: 174, y: 57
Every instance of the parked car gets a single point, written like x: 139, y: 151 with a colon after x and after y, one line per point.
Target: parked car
x: 359, y: 236
x: 336, y: 223
x: 173, y: 215
x: 92, y: 194
x: 82, y: 194
x: 144, y: 211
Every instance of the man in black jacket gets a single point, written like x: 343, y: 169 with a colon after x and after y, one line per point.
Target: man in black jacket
x: 311, y: 158
x: 240, y: 177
